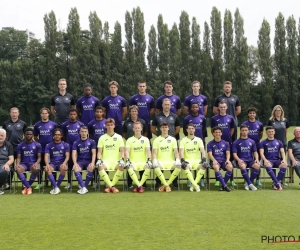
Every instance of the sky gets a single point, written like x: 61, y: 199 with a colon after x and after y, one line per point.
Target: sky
x: 28, y: 14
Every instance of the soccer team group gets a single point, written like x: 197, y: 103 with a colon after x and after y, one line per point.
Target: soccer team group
x: 95, y: 141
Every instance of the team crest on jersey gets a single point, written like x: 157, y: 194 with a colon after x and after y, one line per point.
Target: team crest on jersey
x: 18, y: 125
x: 282, y: 123
x: 228, y: 120
x: 257, y: 126
x: 195, y: 142
x: 277, y: 143
x: 223, y: 145
x: 115, y: 138
x: 250, y: 143
x: 168, y: 141
x: 232, y: 99
x: 33, y: 147
x: 142, y: 141
x: 171, y: 118
x: 78, y: 126
x: 67, y: 98
x: 200, y: 120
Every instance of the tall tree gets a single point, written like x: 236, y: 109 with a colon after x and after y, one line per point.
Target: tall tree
x: 73, y: 35
x: 163, y: 51
x: 96, y: 33
x: 280, y: 64
x: 228, y: 46
x: 117, y: 66
x: 206, y: 72
x: 129, y: 56
x: 292, y: 69
x: 175, y: 54
x: 195, y: 51
x: 265, y: 69
x: 139, y: 44
x: 217, y: 51
x: 241, y: 63
x: 152, y: 58
x: 185, y: 48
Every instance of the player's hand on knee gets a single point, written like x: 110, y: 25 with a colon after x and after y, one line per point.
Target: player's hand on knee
x: 178, y: 163
x: 99, y: 163
x: 128, y: 163
x: 149, y: 163
x: 64, y: 167
x: 121, y: 163
x: 184, y: 163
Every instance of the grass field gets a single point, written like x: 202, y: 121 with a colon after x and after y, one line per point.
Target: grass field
x: 178, y: 220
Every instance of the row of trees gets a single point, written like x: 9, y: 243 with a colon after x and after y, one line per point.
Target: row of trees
x: 29, y: 71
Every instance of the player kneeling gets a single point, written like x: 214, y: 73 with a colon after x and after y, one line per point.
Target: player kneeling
x: 191, y: 148
x: 110, y: 148
x: 84, y: 156
x: 245, y: 153
x: 57, y: 154
x: 219, y: 154
x: 138, y: 156
x: 163, y: 152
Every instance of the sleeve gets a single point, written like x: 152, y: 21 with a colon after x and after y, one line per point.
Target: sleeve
x: 254, y: 149
x: 124, y: 103
x: 39, y: 148
x: 205, y: 101
x: 74, y: 146
x: 47, y: 149
x: 147, y: 143
x: 216, y: 103
x: 152, y: 105
x: 4, y: 125
x: 35, y: 130
x: 260, y: 146
x: 174, y: 143
x: 24, y: 126
x: 184, y: 122
x: 104, y: 103
x: 159, y: 103
x: 63, y: 128
x: 186, y: 102
x: 201, y: 145
x: 177, y: 122
x: 121, y: 142
x: 97, y: 102
x: 237, y: 103
x: 67, y: 147
x: 269, y: 123
x: 280, y: 144
x: 204, y: 129
x: 100, y: 142
x: 212, y: 122
x: 90, y: 127
x: 209, y: 148
x: 93, y: 144
x: 178, y: 103
x: 131, y: 101
x: 73, y: 101
x: 289, y: 146
x: 181, y: 144
x: 19, y: 149
x: 10, y: 149
x: 155, y: 142
x: 78, y: 104
x: 52, y: 101
x: 227, y: 146
x: 232, y: 124
x: 145, y: 126
x: 125, y: 127
x: 287, y: 124
x: 261, y: 127
x: 234, y: 148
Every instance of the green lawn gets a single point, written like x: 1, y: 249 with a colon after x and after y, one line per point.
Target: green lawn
x: 178, y: 220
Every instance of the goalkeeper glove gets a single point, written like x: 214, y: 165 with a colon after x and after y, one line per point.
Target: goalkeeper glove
x: 128, y: 163
x: 99, y: 163
x: 155, y: 163
x: 121, y: 162
x: 184, y: 163
x: 149, y: 163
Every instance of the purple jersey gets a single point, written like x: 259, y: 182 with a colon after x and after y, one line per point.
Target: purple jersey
x: 84, y: 149
x: 97, y: 128
x: 175, y: 103
x: 271, y: 148
x: 218, y: 149
x: 145, y: 104
x: 244, y: 148
x: 87, y: 106
x: 200, y: 99
x: 71, y: 131
x: 226, y: 122
x: 114, y: 106
x: 57, y: 152
x: 254, y: 130
x: 44, y: 131
x: 199, y: 123
x: 29, y: 151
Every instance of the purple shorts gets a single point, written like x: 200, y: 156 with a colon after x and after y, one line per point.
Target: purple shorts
x: 222, y: 165
x: 249, y: 164
x: 83, y: 164
x: 275, y: 163
x: 56, y: 165
x: 27, y: 165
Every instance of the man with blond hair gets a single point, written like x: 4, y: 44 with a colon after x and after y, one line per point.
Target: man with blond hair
x: 115, y: 106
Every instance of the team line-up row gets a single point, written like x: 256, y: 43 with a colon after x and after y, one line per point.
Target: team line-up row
x: 142, y: 106
x: 164, y: 156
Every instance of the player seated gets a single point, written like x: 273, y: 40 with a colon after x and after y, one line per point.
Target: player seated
x: 270, y: 151
x: 190, y: 150
x: 28, y: 159
x: 84, y: 156
x: 164, y: 153
x: 110, y: 156
x: 57, y: 154
x: 245, y: 153
x: 219, y: 154
x: 138, y: 156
